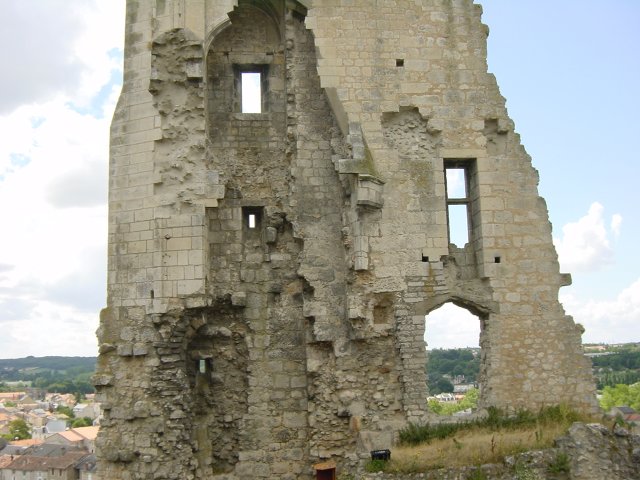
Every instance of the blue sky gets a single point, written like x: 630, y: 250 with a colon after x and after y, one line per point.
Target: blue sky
x: 568, y: 69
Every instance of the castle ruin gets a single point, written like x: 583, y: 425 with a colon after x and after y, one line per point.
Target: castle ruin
x: 272, y: 257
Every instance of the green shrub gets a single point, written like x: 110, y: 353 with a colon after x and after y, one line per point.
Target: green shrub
x: 560, y: 464
x: 375, y: 465
x: 415, y: 434
x: 496, y: 419
x: 477, y: 474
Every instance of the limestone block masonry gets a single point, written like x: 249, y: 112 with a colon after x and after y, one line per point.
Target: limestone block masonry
x: 270, y: 267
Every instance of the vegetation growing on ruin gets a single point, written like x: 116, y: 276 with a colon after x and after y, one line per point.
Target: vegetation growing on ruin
x: 488, y: 440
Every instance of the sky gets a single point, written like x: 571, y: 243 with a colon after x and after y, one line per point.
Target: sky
x: 570, y: 72
x: 568, y: 69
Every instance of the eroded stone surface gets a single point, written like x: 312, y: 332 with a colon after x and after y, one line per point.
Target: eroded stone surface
x: 269, y: 272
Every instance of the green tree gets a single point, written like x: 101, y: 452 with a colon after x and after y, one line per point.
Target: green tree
x: 455, y: 361
x: 66, y: 411
x: 621, y: 395
x: 444, y: 385
x: 18, y: 429
x: 470, y: 400
x: 82, y: 422
x: 435, y: 406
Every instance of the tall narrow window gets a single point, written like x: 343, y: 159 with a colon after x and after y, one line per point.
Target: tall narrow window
x: 457, y: 186
x: 251, y: 92
x: 202, y: 365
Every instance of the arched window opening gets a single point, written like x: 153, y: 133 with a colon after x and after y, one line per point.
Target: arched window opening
x: 245, y: 72
x: 454, y: 359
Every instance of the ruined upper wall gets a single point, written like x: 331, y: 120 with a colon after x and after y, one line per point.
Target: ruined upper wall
x: 428, y: 56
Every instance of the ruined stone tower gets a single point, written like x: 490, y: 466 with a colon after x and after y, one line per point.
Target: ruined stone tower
x: 271, y: 265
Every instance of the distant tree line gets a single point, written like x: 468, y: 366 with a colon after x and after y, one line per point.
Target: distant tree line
x: 620, y: 360
x: 51, y: 374
x: 620, y: 367
x: 445, y: 364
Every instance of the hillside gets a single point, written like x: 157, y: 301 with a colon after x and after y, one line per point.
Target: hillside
x: 448, y: 366
x: 61, y: 374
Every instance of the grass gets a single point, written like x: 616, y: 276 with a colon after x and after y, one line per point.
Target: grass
x: 560, y: 464
x: 483, y: 441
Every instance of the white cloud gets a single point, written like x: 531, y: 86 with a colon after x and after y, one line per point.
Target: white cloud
x: 53, y: 176
x: 40, y: 60
x: 609, y: 321
x: 616, y: 223
x: 585, y: 244
x: 58, y: 47
x: 45, y: 328
x: 451, y: 327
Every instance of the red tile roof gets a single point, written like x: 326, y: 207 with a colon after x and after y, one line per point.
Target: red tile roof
x: 5, y: 460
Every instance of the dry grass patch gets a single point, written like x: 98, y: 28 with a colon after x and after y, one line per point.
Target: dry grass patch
x: 481, y: 442
x: 472, y: 447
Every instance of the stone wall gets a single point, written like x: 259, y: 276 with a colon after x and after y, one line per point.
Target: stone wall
x: 269, y: 273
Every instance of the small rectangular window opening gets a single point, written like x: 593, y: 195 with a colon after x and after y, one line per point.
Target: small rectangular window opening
x: 399, y: 62
x: 202, y: 366
x: 497, y: 259
x: 251, y: 92
x: 425, y: 259
x: 252, y: 218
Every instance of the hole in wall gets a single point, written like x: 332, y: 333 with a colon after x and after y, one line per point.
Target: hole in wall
x: 460, y: 186
x: 251, y: 92
x: 201, y: 366
x: 450, y: 326
x: 497, y: 259
x: 452, y: 335
x: 252, y: 218
x: 458, y: 225
x: 399, y: 62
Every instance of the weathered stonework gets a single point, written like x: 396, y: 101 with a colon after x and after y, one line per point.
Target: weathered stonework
x: 269, y: 273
